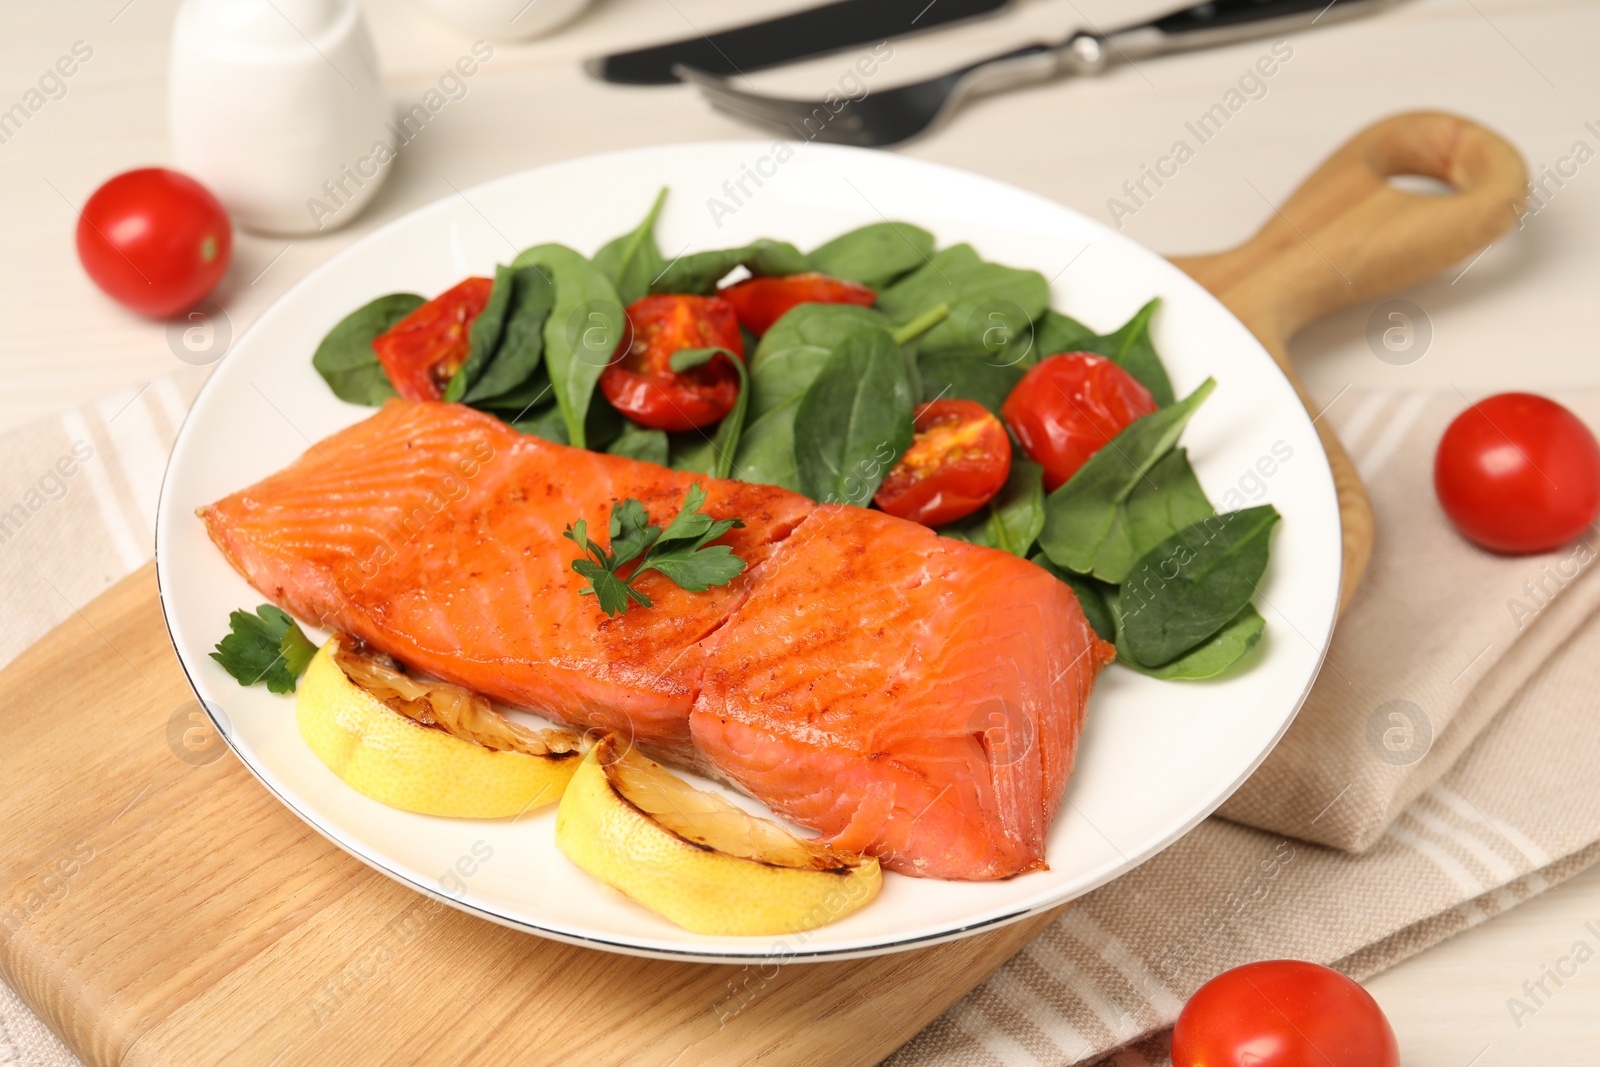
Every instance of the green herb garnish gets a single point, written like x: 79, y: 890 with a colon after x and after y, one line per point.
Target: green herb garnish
x: 682, y: 552
x: 267, y: 646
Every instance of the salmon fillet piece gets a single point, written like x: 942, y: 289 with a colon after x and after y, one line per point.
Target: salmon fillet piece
x: 936, y: 688
x: 907, y: 695
x: 433, y: 533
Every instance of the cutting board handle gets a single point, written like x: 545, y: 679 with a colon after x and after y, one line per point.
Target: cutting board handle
x: 1348, y: 235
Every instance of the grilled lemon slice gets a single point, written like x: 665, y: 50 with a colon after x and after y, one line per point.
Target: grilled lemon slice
x: 427, y: 747
x: 698, y: 860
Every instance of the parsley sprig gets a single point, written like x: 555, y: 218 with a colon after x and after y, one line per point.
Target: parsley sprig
x: 268, y: 646
x: 682, y: 552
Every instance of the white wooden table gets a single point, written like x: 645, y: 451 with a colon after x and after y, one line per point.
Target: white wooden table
x: 1521, y: 316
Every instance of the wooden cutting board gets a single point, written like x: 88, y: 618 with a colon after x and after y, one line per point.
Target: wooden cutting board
x: 160, y: 907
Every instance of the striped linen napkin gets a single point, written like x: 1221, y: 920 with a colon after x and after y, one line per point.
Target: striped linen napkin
x: 1435, y: 777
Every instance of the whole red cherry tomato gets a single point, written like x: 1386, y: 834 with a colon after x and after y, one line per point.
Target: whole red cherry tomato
x: 640, y: 381
x: 761, y: 302
x: 1518, y: 473
x: 959, y: 459
x: 1067, y: 407
x: 154, y: 240
x: 1283, y: 1013
x: 423, y: 351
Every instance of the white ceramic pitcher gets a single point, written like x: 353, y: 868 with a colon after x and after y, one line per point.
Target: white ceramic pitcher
x: 277, y: 106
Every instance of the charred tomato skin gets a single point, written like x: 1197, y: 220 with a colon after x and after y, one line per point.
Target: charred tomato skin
x: 959, y: 459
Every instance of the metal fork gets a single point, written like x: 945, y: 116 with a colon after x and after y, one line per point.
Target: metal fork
x: 899, y: 114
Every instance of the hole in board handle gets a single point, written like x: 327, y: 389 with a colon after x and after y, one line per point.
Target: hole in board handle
x: 1420, y: 185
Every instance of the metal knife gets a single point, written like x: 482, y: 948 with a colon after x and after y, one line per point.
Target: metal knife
x: 814, y: 32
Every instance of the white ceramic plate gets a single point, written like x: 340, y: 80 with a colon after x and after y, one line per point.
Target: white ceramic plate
x: 1156, y: 757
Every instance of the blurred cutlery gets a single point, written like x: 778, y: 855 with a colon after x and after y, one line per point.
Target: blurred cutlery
x: 890, y: 116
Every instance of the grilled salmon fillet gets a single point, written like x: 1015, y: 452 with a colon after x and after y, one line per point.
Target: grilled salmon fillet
x: 905, y: 694
x: 933, y: 686
x: 433, y: 533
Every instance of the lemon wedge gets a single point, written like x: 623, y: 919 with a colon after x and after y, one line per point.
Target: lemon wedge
x: 697, y: 859
x: 426, y: 747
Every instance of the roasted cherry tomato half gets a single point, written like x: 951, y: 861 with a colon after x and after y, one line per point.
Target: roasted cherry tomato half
x: 1067, y: 407
x: 640, y: 381
x: 1283, y: 1013
x: 423, y: 351
x: 1518, y: 473
x: 154, y: 240
x: 958, y: 460
x: 761, y: 302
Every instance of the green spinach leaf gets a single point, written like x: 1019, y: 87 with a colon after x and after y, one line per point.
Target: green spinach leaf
x: 691, y: 452
x: 1133, y: 349
x: 1188, y: 587
x: 766, y: 451
x: 1164, y: 501
x: 518, y: 359
x: 699, y: 273
x: 874, y: 255
x: 633, y: 260
x: 585, y: 325
x: 602, y: 425
x: 990, y: 305
x: 1082, y: 515
x: 546, y: 423
x: 854, y: 421
x: 636, y: 442
x: 1055, y: 334
x: 792, y: 354
x: 909, y: 338
x: 1210, y: 658
x: 794, y: 350
x: 1012, y: 520
x: 345, y: 358
x: 535, y: 392
x: 959, y: 376
x: 1168, y: 499
x: 484, y: 336
x: 726, y: 443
